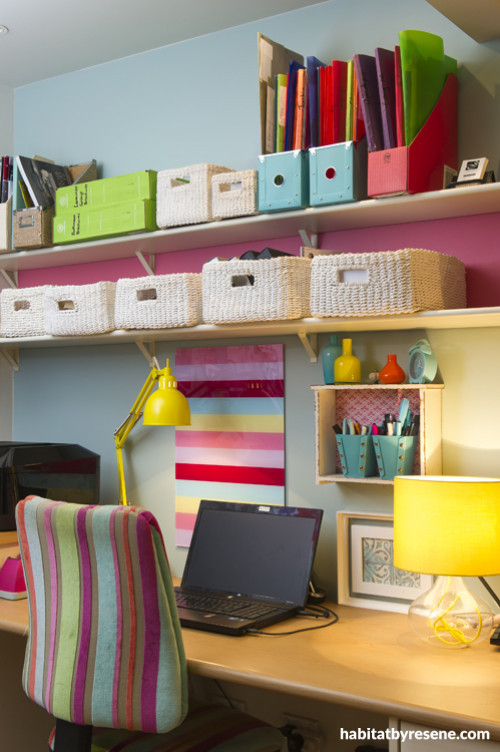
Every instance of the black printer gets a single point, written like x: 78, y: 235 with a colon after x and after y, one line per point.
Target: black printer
x: 63, y: 472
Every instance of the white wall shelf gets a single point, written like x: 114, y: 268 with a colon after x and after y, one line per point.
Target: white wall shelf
x: 305, y: 329
x: 457, y: 202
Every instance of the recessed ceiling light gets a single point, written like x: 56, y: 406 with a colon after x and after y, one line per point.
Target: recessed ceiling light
x: 3, y: 29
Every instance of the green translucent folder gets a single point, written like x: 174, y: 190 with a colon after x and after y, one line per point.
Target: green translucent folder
x: 424, y: 69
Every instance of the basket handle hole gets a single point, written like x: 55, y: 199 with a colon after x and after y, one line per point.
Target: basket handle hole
x: 176, y: 182
x: 356, y: 276
x: 148, y: 294
x: 242, y: 280
x: 330, y: 173
x: 65, y: 305
x: 224, y: 187
x: 279, y: 180
x: 22, y: 305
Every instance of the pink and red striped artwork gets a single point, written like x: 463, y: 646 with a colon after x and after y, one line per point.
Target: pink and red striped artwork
x: 234, y: 448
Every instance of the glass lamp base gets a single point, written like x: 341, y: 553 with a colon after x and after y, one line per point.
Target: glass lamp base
x: 449, y: 615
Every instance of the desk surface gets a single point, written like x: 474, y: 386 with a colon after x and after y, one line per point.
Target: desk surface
x: 369, y: 660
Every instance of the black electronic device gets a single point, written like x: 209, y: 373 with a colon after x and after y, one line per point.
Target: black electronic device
x: 495, y: 637
x: 63, y: 472
x: 248, y: 566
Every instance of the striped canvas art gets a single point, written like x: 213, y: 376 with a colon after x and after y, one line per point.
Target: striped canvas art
x: 234, y: 448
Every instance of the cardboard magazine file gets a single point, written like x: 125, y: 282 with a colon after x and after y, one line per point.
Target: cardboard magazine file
x: 429, y: 162
x: 337, y: 173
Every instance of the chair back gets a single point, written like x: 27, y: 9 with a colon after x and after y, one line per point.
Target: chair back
x: 104, y: 645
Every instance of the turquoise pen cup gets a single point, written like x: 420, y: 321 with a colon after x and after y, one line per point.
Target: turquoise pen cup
x: 356, y: 455
x: 395, y: 455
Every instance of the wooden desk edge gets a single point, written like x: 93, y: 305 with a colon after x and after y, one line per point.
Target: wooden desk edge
x: 390, y: 709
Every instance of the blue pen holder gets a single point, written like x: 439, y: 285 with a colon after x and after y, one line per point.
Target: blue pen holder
x: 283, y: 181
x: 395, y: 455
x: 356, y: 454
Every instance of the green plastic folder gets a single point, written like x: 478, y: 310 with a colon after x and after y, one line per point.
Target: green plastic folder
x: 424, y: 70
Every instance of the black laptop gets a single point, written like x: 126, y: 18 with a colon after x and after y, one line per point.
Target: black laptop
x: 248, y: 566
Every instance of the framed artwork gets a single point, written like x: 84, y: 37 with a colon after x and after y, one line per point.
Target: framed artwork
x: 366, y: 575
x: 234, y: 448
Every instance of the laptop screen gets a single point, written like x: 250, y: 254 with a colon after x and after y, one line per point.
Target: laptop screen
x: 253, y: 550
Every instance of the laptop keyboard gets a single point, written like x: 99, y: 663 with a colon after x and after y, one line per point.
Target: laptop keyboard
x: 226, y: 606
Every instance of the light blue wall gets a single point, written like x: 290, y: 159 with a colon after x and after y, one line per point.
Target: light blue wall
x: 198, y: 102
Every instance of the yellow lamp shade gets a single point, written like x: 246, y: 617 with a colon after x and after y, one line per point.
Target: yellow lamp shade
x: 167, y: 406
x: 447, y: 525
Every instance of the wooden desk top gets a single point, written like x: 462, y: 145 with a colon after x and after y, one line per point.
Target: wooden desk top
x: 369, y: 660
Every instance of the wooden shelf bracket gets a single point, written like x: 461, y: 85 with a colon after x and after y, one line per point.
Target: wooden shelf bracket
x: 310, y: 344
x: 149, y: 264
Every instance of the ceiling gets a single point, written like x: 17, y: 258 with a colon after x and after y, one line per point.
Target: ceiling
x: 51, y: 37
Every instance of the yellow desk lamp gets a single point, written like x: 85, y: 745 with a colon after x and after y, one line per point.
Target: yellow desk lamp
x: 450, y: 527
x: 165, y: 407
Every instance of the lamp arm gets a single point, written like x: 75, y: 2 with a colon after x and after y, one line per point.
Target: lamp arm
x: 122, y: 432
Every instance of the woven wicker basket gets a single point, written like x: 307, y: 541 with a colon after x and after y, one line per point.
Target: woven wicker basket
x: 389, y: 282
x: 161, y: 302
x: 256, y: 290
x: 22, y: 312
x: 234, y: 194
x: 80, y: 309
x: 184, y: 195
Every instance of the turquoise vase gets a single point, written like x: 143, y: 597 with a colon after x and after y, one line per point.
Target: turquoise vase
x: 329, y: 355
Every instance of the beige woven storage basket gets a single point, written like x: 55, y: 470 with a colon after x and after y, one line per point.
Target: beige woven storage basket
x: 22, y: 312
x: 80, y: 309
x: 234, y: 194
x: 184, y: 195
x: 256, y: 290
x: 387, y: 282
x: 158, y: 302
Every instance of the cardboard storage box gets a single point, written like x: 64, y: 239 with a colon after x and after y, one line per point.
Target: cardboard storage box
x: 94, y: 193
x: 32, y: 228
x: 429, y: 162
x: 283, y: 181
x: 104, y: 222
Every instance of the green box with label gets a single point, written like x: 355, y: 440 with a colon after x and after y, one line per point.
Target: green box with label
x: 95, y: 193
x: 104, y: 222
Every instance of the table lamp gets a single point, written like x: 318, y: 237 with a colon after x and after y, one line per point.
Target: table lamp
x: 165, y: 407
x: 450, y: 527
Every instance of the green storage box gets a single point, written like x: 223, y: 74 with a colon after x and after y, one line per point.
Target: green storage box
x: 96, y: 193
x: 104, y: 222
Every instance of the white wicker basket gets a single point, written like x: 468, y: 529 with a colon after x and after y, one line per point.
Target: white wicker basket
x: 80, y: 309
x: 158, y: 302
x: 234, y: 194
x: 22, y: 312
x: 184, y: 195
x: 256, y: 290
x: 387, y: 282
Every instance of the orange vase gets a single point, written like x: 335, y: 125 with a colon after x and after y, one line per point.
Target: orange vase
x: 392, y: 373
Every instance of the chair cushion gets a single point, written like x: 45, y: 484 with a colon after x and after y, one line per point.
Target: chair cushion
x: 206, y: 728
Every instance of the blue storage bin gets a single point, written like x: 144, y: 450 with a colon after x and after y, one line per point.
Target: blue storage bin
x: 337, y: 173
x: 395, y: 455
x: 356, y: 454
x: 283, y: 181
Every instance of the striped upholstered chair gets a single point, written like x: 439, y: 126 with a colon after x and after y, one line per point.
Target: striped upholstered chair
x: 104, y: 654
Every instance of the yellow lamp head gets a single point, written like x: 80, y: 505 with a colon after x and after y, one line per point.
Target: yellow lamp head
x: 167, y: 406
x: 450, y: 527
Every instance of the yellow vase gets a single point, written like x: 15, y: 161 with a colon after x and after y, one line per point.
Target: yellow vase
x: 347, y: 367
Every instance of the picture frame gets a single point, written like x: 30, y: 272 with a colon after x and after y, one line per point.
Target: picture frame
x: 366, y: 576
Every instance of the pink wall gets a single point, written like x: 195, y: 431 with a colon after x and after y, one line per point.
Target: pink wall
x: 475, y: 240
